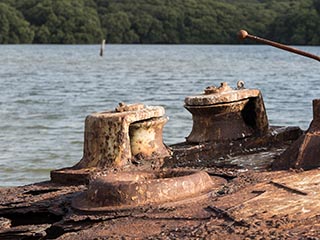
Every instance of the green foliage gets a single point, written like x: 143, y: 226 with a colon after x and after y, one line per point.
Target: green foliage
x: 67, y: 21
x: 117, y: 27
x: 299, y: 25
x: 13, y: 28
x: 158, y: 21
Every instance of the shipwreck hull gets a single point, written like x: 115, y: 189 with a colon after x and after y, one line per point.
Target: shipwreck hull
x: 217, y: 184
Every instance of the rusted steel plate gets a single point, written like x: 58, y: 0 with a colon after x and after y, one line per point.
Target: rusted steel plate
x: 227, y: 153
x: 296, y: 195
x: 213, y: 217
x: 305, y: 152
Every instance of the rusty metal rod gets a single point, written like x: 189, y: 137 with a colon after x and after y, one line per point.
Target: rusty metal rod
x: 244, y: 34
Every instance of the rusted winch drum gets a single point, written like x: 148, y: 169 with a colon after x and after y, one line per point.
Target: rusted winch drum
x: 223, y: 113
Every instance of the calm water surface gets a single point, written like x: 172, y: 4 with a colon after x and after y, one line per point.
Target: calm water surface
x: 48, y: 90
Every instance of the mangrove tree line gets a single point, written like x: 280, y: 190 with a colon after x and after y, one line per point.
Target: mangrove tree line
x: 158, y: 21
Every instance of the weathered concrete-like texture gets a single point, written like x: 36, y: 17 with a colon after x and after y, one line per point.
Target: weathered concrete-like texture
x: 115, y: 139
x: 146, y: 140
x: 226, y: 114
x: 107, y: 140
x: 305, y: 152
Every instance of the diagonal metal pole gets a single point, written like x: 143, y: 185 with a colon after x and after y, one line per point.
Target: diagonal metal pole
x: 244, y: 34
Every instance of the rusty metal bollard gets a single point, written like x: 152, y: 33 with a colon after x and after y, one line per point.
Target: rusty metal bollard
x: 305, y: 151
x: 223, y: 113
x: 114, y: 139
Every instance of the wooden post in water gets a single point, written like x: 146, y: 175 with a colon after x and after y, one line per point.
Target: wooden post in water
x: 102, y: 47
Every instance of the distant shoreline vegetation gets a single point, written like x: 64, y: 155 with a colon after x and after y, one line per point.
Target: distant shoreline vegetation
x: 158, y: 21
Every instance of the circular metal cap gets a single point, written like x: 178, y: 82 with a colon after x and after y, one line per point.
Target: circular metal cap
x: 223, y: 94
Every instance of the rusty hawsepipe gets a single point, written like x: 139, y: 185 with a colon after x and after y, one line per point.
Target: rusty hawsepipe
x: 244, y: 34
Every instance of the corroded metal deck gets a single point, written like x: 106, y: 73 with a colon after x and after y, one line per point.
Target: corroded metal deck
x: 256, y: 204
x: 278, y: 205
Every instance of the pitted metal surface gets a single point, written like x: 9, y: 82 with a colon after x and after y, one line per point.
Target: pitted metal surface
x: 146, y: 139
x: 223, y: 113
x: 107, y: 140
x: 223, y: 94
x: 115, y: 139
x: 305, y: 151
x: 123, y: 190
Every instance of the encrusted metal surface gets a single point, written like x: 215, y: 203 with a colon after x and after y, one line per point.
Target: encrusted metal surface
x: 219, y: 122
x: 146, y: 140
x: 259, y: 150
x: 271, y: 198
x: 107, y: 140
x: 223, y: 94
x: 125, y: 190
x: 226, y: 114
x: 305, y: 152
x: 115, y: 139
x: 253, y: 205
